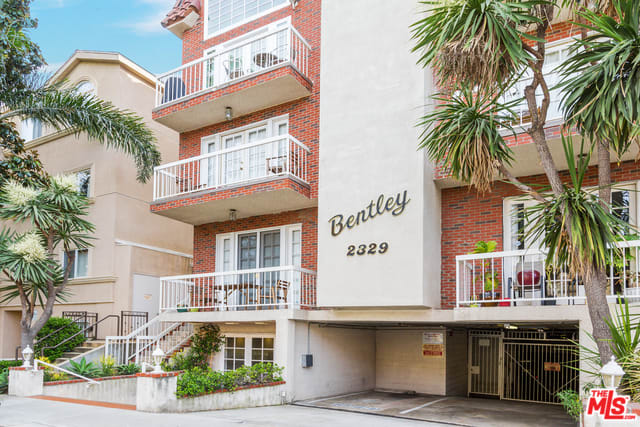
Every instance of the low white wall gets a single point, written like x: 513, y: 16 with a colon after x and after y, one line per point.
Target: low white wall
x: 122, y: 390
x: 246, y: 398
x: 25, y: 382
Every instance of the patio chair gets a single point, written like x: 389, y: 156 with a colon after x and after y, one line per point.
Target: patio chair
x: 173, y: 89
x: 233, y: 68
x: 277, y: 294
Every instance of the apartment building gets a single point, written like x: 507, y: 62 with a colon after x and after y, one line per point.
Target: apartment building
x: 133, y: 248
x: 324, y: 240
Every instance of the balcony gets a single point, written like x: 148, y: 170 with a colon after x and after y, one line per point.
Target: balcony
x: 520, y: 278
x: 256, y: 289
x: 267, y: 176
x: 267, y: 67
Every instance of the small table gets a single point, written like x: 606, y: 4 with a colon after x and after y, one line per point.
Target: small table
x: 265, y: 59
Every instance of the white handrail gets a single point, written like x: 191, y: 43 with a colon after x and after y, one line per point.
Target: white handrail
x: 40, y: 362
x: 229, y: 273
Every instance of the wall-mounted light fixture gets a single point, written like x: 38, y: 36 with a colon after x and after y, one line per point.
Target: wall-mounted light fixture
x: 294, y: 3
x: 233, y: 214
x: 228, y: 113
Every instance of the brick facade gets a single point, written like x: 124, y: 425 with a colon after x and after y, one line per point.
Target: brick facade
x: 468, y: 217
x: 204, y: 250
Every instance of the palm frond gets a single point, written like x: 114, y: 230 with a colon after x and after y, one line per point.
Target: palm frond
x: 601, y: 77
x: 479, y: 42
x: 462, y: 134
x: 101, y: 121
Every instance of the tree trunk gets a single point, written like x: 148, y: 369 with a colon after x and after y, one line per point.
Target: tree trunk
x: 29, y: 330
x: 596, y: 292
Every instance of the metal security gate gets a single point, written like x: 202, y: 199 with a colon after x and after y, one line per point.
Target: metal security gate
x: 485, y: 362
x: 537, y: 371
x: 84, y: 319
x: 132, y: 320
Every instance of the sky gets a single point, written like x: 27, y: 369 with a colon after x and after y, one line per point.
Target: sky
x: 131, y: 27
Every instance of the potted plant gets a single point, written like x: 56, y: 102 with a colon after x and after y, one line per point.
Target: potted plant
x: 193, y: 310
x: 490, y: 279
x: 182, y: 308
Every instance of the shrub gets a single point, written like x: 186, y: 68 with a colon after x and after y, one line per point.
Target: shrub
x: 205, y: 342
x: 4, y: 380
x: 53, y: 324
x: 6, y: 364
x: 571, y: 402
x: 198, y: 381
x: 130, y: 369
x: 84, y: 368
x: 107, y: 366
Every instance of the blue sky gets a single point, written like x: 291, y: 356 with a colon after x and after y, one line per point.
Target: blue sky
x: 131, y: 27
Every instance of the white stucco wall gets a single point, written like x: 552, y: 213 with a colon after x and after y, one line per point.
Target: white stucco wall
x: 372, y: 96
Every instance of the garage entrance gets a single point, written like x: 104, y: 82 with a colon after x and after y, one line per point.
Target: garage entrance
x: 528, y: 365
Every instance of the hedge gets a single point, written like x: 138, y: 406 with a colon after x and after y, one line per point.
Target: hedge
x: 53, y: 324
x: 5, y: 364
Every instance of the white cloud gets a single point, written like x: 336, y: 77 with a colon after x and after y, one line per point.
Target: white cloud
x: 51, y: 68
x: 150, y: 23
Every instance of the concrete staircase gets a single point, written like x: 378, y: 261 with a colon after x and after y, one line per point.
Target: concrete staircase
x: 185, y: 345
x: 79, y: 351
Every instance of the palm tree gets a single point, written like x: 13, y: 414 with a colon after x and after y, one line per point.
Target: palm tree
x: 478, y: 48
x: 50, y: 206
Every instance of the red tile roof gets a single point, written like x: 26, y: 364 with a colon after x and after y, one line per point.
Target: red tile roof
x: 180, y: 10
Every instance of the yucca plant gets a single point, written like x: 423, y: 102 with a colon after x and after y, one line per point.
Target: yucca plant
x: 601, y: 78
x: 462, y: 134
x: 460, y: 39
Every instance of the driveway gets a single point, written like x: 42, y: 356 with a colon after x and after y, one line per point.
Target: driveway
x: 454, y: 410
x: 25, y: 412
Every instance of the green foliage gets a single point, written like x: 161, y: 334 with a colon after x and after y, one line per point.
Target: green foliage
x: 462, y: 134
x: 66, y: 328
x: 479, y: 42
x: 483, y: 247
x: 84, y: 368
x: 571, y: 402
x: 593, y: 227
x: 130, y: 369
x: 601, y: 77
x: 198, y: 381
x: 491, y: 278
x: 4, y: 380
x: 107, y: 366
x: 6, y: 364
x: 204, y: 343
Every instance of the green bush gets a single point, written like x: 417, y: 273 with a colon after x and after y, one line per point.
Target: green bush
x: 84, y: 368
x: 571, y: 402
x: 198, y: 381
x: 130, y: 369
x: 5, y: 364
x: 53, y: 324
x: 205, y: 342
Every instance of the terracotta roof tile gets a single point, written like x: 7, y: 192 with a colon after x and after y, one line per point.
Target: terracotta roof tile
x: 180, y: 10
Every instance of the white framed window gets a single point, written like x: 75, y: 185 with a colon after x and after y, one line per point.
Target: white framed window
x: 261, y: 248
x: 30, y: 129
x: 80, y: 266
x: 85, y: 86
x: 242, y: 165
x: 222, y: 15
x: 624, y: 205
x: 83, y: 178
x: 246, y: 350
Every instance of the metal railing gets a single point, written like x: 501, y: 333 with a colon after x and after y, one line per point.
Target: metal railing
x: 138, y: 346
x: 260, y: 288
x: 82, y: 332
x: 37, y: 362
x: 275, y: 156
x: 521, y: 277
x: 522, y: 108
x: 274, y: 48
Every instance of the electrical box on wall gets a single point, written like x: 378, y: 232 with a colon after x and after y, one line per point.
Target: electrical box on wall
x: 307, y: 360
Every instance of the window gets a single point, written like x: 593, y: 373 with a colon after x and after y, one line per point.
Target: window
x: 261, y: 350
x: 84, y: 180
x: 224, y: 14
x: 85, y: 87
x: 234, y: 353
x: 80, y: 267
x: 247, y: 350
x: 31, y: 129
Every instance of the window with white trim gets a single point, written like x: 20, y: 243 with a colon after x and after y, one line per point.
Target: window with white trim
x: 225, y: 14
x: 234, y: 353
x: 247, y: 350
x: 80, y: 266
x: 30, y: 129
x: 261, y: 350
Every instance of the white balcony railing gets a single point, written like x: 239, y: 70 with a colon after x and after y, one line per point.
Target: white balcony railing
x: 262, y: 288
x: 279, y: 46
x: 520, y: 277
x: 276, y: 156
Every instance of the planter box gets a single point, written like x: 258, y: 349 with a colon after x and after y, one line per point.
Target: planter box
x: 120, y: 389
x: 249, y: 397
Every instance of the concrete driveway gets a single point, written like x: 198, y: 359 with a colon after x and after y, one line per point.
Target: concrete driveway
x: 454, y: 410
x: 25, y: 412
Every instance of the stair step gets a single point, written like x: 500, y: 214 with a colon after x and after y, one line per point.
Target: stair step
x: 93, y: 343
x: 60, y: 360
x: 71, y: 354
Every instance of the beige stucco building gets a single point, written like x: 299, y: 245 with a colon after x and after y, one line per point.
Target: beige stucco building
x: 133, y: 248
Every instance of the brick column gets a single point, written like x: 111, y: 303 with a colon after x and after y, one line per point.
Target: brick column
x: 25, y: 381
x: 156, y: 392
